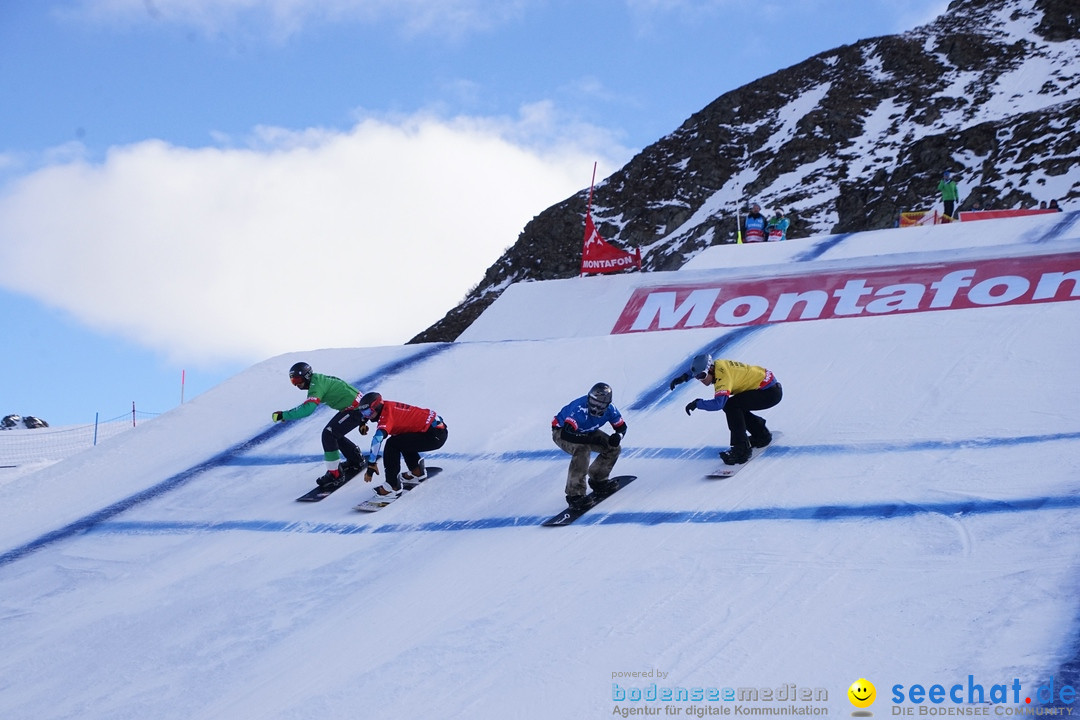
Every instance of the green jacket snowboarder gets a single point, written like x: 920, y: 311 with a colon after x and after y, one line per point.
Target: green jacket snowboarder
x: 341, y: 396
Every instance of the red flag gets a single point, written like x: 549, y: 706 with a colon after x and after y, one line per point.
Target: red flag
x: 597, y: 254
x: 600, y: 256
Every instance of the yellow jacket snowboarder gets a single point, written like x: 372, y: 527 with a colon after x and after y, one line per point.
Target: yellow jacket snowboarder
x: 738, y: 388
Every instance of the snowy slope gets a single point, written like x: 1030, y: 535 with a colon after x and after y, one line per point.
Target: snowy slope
x: 916, y: 524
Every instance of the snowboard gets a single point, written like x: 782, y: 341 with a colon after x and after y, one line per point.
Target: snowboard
x: 378, y: 502
x: 569, y: 515
x: 321, y: 492
x: 726, y: 471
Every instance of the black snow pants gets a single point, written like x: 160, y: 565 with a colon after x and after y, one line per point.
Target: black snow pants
x: 739, y: 418
x: 409, y: 446
x: 333, y: 435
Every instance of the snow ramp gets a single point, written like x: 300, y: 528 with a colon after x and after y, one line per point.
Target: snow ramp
x: 914, y: 526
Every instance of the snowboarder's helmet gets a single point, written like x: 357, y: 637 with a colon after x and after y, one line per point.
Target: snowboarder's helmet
x: 599, y: 399
x: 300, y: 375
x: 701, y: 366
x: 370, y: 405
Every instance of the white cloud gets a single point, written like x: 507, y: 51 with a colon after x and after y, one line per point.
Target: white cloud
x: 298, y: 240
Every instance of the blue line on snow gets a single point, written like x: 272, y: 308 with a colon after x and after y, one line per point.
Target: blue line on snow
x: 1060, y: 228
x: 659, y: 395
x: 823, y: 513
x: 820, y: 248
x: 707, y: 453
x: 662, y: 395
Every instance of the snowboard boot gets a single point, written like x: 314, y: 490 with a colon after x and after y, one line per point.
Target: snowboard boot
x: 349, y: 470
x: 737, y: 455
x: 577, y: 502
x: 761, y: 439
x: 330, y: 479
x: 387, y: 491
x: 414, y: 475
x: 603, y: 488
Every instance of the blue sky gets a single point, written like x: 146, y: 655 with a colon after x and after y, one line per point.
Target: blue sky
x: 191, y: 186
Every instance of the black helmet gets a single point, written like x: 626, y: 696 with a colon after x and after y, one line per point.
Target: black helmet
x: 701, y: 365
x: 370, y: 405
x: 599, y: 399
x: 300, y: 375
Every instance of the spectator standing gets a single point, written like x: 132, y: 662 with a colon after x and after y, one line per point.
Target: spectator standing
x: 778, y: 227
x: 755, y: 225
x: 950, y: 194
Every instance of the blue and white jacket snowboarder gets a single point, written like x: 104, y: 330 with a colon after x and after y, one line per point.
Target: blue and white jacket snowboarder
x: 576, y: 429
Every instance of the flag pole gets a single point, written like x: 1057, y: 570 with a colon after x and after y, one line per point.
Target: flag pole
x: 738, y: 220
x: 588, y: 212
x: 592, y: 183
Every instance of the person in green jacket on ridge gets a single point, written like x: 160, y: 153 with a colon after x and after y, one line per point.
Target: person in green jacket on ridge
x: 341, y: 396
x: 950, y: 195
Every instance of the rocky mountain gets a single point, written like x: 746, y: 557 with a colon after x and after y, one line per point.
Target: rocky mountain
x: 844, y: 140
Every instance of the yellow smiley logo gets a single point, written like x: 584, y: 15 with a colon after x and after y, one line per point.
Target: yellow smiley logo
x: 862, y: 693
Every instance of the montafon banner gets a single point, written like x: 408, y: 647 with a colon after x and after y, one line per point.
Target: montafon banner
x: 853, y: 293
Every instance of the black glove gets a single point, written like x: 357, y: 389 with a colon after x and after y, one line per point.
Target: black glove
x: 679, y: 381
x: 613, y: 440
x: 363, y: 428
x: 691, y: 406
x: 278, y: 416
